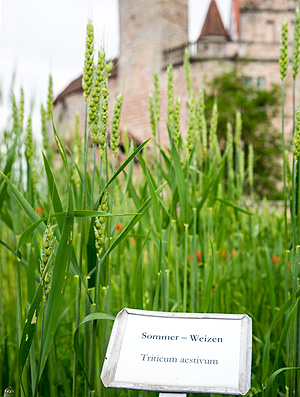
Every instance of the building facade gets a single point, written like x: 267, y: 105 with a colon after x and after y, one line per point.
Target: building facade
x: 154, y: 33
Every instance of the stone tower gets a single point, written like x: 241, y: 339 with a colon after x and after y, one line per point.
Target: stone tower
x: 147, y: 28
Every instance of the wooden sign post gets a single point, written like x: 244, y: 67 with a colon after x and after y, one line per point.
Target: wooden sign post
x: 179, y: 352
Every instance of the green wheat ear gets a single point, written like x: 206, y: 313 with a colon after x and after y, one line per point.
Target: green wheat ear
x: 15, y: 127
x: 157, y: 95
x: 213, y: 139
x: 87, y: 78
x: 44, y: 129
x: 176, y: 132
x: 283, y: 56
x: 125, y: 141
x: 296, y: 44
x: 9, y: 392
x: 202, y: 126
x: 151, y: 114
x: 103, y: 117
x: 187, y: 71
x: 100, y: 223
x: 50, y: 98
x: 170, y: 89
x: 46, y: 252
x: 190, y: 138
x: 95, y: 97
x: 297, y: 136
x: 29, y: 142
x: 241, y: 168
x: 21, y: 110
x: 115, y: 128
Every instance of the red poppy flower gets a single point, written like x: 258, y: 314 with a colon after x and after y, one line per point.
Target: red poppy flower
x: 275, y: 259
x: 39, y: 210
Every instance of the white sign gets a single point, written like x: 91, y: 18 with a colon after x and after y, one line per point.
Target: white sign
x: 179, y: 352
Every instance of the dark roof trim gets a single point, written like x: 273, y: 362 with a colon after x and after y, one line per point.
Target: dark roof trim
x: 269, y: 10
x: 74, y: 87
x: 234, y: 59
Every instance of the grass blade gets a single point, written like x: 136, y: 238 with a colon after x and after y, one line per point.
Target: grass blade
x: 210, y: 281
x: 7, y: 169
x: 236, y: 207
x: 153, y: 194
x: 59, y: 278
x: 279, y: 315
x: 30, y: 324
x: 88, y: 318
x: 60, y: 148
x: 53, y: 191
x: 30, y: 212
x: 274, y: 374
x: 180, y: 182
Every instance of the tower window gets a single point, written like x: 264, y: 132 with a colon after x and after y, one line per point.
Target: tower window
x: 270, y: 31
x: 261, y: 83
x: 247, y: 82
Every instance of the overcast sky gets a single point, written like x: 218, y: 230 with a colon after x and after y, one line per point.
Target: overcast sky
x: 39, y: 37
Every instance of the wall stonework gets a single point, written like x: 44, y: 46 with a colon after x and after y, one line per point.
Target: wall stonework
x: 155, y: 32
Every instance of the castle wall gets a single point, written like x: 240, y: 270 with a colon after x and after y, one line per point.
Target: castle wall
x: 263, y: 25
x: 149, y: 29
x: 135, y: 112
x: 64, y: 115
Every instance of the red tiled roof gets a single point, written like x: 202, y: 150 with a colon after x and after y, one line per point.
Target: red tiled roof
x: 213, y: 24
x: 76, y: 85
x: 236, y: 13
